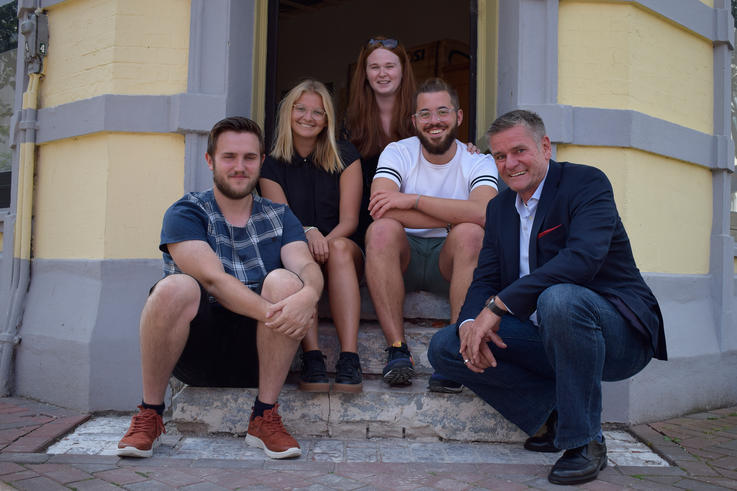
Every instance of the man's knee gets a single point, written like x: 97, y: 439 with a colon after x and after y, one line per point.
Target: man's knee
x: 384, y: 235
x: 558, y: 299
x: 466, y: 239
x: 279, y: 284
x: 561, y: 307
x: 175, y: 293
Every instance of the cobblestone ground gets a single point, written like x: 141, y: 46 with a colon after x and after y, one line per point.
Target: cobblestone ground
x: 701, y: 448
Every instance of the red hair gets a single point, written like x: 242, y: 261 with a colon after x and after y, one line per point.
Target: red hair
x: 362, y: 116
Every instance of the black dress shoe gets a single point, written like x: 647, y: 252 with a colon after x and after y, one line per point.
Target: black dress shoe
x: 579, y: 465
x: 546, y: 441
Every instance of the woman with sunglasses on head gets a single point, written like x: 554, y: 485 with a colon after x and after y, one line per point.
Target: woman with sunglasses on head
x: 320, y: 179
x: 379, y: 108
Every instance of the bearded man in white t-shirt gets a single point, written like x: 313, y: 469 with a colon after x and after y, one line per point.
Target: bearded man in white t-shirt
x: 428, y: 202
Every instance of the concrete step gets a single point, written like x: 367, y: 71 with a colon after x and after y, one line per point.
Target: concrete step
x: 417, y: 305
x: 379, y: 411
x: 371, y: 345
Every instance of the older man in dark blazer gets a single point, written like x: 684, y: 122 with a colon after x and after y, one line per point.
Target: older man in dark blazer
x: 556, y: 305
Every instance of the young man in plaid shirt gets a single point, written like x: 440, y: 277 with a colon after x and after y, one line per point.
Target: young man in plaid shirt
x: 239, y: 292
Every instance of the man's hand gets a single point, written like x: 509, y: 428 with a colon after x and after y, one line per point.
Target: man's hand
x: 293, y: 315
x: 472, y: 148
x: 474, y: 338
x: 318, y: 245
x: 383, y: 201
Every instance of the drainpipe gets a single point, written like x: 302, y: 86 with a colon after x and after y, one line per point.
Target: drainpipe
x: 35, y: 32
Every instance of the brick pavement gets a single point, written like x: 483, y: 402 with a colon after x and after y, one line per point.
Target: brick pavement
x: 702, y: 447
x: 30, y: 426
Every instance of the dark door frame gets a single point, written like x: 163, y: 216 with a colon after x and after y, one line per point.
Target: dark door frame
x: 271, y: 97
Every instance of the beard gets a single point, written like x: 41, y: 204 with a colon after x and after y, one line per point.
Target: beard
x: 443, y: 145
x: 227, y: 190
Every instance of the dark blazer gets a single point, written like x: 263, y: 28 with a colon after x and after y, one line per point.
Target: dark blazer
x: 577, y: 237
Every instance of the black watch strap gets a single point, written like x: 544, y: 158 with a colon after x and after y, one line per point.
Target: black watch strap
x: 495, y: 308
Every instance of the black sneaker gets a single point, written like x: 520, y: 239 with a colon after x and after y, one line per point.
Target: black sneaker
x: 348, y: 373
x: 314, y: 374
x: 439, y: 383
x: 399, y: 368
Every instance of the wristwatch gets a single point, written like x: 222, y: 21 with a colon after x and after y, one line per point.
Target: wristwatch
x: 495, y: 308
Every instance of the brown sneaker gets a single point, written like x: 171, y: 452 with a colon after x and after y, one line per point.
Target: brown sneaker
x: 268, y: 432
x: 143, y: 435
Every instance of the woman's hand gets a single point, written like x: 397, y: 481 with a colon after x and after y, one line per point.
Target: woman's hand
x: 318, y: 245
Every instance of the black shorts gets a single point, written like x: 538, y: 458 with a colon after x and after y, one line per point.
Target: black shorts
x: 221, y: 348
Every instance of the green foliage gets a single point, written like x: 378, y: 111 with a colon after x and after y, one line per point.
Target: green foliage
x: 7, y: 93
x: 9, y: 26
x: 8, y: 53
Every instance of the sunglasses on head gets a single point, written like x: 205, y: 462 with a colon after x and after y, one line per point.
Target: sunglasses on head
x: 387, y: 43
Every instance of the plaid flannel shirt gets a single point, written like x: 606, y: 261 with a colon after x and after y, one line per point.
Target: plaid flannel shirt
x: 249, y: 253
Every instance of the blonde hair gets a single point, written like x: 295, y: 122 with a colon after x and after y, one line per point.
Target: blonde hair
x: 326, y: 154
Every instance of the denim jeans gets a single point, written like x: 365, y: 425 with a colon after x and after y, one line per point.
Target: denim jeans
x: 580, y: 341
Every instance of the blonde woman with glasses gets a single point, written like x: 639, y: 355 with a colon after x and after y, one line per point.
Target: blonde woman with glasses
x: 321, y: 181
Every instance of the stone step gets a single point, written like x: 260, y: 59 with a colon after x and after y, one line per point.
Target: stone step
x: 371, y: 345
x: 417, y: 305
x: 379, y: 411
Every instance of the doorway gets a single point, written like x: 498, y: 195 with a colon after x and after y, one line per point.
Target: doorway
x: 321, y: 39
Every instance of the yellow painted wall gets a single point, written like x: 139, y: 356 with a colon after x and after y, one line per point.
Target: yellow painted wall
x: 116, y: 47
x: 103, y: 196
x: 486, y: 91
x: 620, y: 56
x: 665, y: 204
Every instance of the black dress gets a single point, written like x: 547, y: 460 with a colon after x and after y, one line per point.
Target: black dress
x: 368, y: 168
x: 312, y: 193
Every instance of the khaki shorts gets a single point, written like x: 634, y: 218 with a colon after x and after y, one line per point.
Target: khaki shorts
x: 423, y: 272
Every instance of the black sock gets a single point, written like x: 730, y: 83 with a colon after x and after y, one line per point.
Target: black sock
x: 159, y: 408
x: 259, y: 408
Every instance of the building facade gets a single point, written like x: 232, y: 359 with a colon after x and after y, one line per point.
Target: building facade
x: 114, y: 129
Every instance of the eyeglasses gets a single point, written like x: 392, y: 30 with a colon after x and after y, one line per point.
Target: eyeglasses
x: 302, y: 111
x: 441, y: 113
x: 387, y: 43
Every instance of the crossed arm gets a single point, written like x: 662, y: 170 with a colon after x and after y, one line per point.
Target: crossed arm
x: 427, y: 211
x: 291, y: 316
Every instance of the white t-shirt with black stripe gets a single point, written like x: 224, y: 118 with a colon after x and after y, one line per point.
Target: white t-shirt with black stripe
x: 403, y: 163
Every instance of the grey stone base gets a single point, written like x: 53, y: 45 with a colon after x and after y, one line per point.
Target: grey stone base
x: 665, y: 389
x: 379, y: 411
x: 79, y: 335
